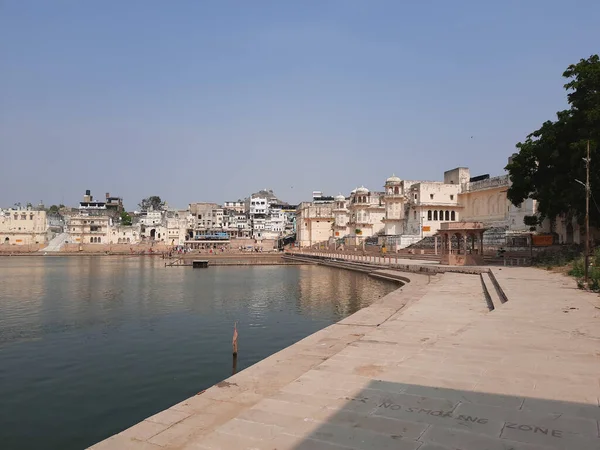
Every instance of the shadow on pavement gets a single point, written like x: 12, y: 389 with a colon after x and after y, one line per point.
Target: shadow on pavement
x: 387, y: 415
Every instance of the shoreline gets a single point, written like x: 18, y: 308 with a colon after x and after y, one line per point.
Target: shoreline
x: 230, y: 259
x: 419, y: 360
x: 297, y: 359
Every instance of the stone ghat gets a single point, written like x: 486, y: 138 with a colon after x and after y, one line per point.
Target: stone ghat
x: 367, y: 263
x: 427, y: 367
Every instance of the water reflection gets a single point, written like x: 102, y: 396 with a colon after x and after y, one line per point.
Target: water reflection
x: 108, y: 341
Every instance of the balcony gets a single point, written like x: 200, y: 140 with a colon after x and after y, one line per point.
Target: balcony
x: 490, y: 183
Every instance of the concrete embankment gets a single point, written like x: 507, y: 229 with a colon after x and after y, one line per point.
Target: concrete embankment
x: 226, y: 259
x: 427, y: 367
x: 233, y: 259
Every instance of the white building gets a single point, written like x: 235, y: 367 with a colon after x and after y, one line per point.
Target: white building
x: 23, y: 226
x: 124, y: 234
x: 89, y: 227
x: 276, y: 221
x: 367, y: 212
x: 238, y: 207
x: 314, y: 223
x: 341, y: 217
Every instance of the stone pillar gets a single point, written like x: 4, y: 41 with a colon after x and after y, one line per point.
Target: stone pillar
x: 435, y: 239
x: 466, y: 244
x: 481, y: 243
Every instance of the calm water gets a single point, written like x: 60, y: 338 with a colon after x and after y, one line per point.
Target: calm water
x: 90, y: 346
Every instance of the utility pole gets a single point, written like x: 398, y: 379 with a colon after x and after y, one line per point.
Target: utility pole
x: 587, y: 215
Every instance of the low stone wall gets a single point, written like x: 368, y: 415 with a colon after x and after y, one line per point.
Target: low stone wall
x: 118, y: 249
x: 12, y: 249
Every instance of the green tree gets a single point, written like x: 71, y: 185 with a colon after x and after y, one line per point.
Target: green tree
x: 126, y: 219
x: 551, y: 159
x: 153, y: 202
x: 53, y: 209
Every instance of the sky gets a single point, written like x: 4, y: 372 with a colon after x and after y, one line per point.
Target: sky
x: 213, y: 100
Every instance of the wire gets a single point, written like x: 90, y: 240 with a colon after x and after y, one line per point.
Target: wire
x: 594, y: 199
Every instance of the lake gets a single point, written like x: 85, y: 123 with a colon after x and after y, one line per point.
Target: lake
x: 92, y: 345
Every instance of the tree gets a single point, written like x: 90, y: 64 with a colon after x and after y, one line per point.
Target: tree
x: 153, y: 202
x: 126, y: 219
x: 53, y: 209
x: 551, y: 159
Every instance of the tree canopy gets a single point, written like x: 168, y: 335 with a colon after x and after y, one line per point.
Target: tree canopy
x: 153, y: 202
x: 126, y: 218
x: 551, y: 159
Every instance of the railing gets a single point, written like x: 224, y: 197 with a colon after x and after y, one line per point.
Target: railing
x: 488, y: 183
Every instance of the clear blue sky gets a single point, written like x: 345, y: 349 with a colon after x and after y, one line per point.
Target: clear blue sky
x: 212, y: 100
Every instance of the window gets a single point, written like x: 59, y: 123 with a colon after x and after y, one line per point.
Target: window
x: 435, y: 216
x: 451, y: 196
x: 430, y: 196
x: 415, y: 214
x: 452, y: 216
x: 429, y: 215
x: 441, y: 215
x: 415, y: 196
x: 99, y: 240
x: 447, y: 215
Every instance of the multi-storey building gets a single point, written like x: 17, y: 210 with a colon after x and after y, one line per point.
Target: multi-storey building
x: 341, y: 217
x: 23, y: 226
x: 366, y: 214
x: 238, y: 207
x: 92, y: 222
x: 314, y: 223
x: 89, y: 227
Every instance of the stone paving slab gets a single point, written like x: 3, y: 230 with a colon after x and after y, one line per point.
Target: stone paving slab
x: 427, y: 368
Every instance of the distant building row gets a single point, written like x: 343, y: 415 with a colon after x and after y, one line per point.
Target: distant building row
x: 407, y: 211
x: 261, y: 216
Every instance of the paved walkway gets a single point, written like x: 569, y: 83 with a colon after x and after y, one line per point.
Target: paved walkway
x: 427, y: 368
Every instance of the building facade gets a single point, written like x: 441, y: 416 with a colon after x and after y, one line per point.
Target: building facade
x: 341, y: 217
x: 366, y: 215
x: 314, y: 223
x: 23, y: 226
x: 89, y: 227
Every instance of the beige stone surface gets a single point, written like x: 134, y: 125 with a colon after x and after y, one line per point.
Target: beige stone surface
x: 429, y: 367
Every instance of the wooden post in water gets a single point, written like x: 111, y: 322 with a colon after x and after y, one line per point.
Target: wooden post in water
x: 234, y: 342
x: 234, y: 367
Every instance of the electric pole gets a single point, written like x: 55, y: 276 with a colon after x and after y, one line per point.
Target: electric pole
x: 587, y: 215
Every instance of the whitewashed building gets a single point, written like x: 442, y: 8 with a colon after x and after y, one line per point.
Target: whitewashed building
x: 23, y: 226
x: 314, y: 223
x: 366, y: 215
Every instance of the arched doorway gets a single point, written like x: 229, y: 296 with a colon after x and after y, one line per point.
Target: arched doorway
x: 152, y: 233
x: 569, y: 237
x: 6, y: 240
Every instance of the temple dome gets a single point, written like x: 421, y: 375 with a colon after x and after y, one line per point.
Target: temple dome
x: 393, y: 179
x: 362, y: 190
x: 340, y: 198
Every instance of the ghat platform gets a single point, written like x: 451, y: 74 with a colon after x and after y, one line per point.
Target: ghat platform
x: 428, y: 367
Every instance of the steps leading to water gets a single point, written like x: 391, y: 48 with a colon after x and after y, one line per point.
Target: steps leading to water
x: 56, y: 243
